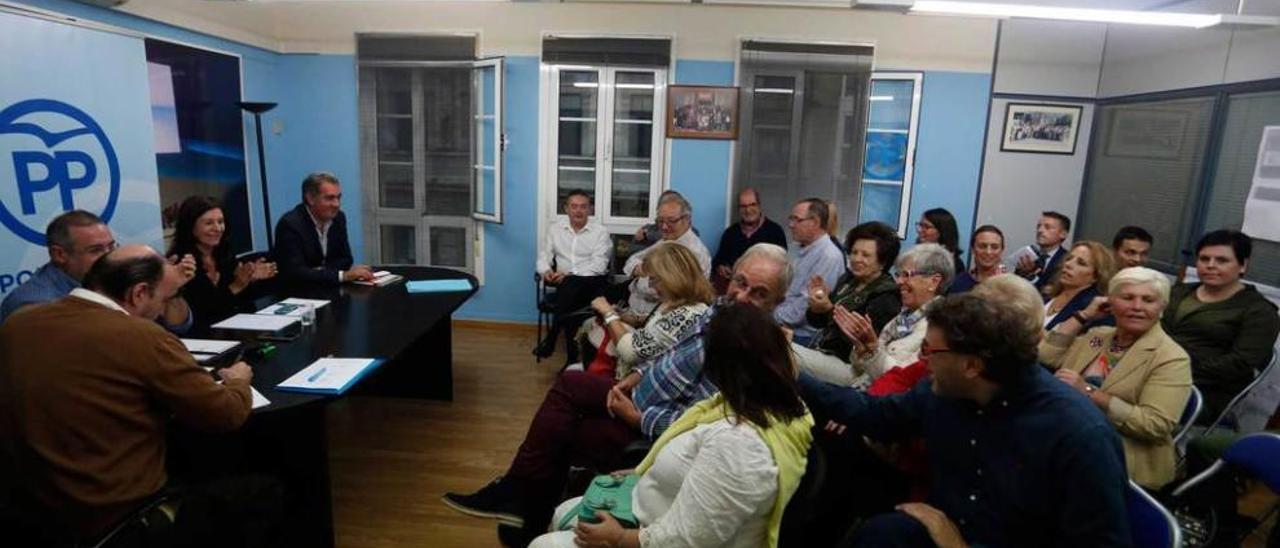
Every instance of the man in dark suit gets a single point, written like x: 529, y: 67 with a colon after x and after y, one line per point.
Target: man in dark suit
x: 1038, y: 263
x: 311, y: 240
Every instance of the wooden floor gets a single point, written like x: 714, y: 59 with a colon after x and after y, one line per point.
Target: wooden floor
x: 392, y: 459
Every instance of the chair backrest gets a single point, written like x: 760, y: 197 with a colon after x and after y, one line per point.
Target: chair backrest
x: 1150, y: 524
x: 1257, y: 379
x: 1189, y: 413
x: 1259, y: 456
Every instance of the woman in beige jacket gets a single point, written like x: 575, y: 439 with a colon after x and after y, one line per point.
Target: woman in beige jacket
x: 1134, y: 372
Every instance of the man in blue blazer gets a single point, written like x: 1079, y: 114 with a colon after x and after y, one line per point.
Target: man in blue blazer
x: 311, y: 240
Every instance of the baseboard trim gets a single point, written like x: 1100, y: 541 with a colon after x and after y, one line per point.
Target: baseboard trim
x: 497, y: 325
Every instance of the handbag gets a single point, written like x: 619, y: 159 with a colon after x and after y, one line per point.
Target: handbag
x: 607, y: 493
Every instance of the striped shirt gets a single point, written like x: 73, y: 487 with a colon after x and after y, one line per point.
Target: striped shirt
x: 673, y: 381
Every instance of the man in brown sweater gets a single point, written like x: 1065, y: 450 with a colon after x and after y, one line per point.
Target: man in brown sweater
x: 87, y: 385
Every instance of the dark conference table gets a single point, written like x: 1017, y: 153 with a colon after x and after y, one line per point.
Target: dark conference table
x: 288, y: 439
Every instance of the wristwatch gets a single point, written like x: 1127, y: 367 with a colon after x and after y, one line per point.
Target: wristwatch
x: 1080, y: 317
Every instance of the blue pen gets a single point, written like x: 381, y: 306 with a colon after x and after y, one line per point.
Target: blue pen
x: 316, y: 375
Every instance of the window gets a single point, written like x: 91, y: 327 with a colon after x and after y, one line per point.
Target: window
x: 431, y: 147
x: 1180, y: 164
x: 604, y: 125
x: 894, y: 114
x: 803, y: 112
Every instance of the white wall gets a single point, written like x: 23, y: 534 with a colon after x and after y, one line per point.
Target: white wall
x: 1017, y: 186
x: 1049, y: 58
x: 702, y: 31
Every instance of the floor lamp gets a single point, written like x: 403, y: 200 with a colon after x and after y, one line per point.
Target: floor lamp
x: 257, y: 109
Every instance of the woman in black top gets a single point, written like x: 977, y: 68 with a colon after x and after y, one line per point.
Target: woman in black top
x: 219, y: 285
x: 938, y: 226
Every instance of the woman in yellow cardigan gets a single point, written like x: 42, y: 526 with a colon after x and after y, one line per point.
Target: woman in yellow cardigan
x: 1134, y: 372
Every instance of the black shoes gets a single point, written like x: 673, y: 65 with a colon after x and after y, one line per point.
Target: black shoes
x: 546, y: 347
x: 500, y: 500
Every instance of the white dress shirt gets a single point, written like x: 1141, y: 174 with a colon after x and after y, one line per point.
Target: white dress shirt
x: 643, y: 298
x: 584, y: 252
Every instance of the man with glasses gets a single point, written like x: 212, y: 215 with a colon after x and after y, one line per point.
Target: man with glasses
x: 1016, y: 458
x: 817, y: 257
x: 75, y: 240
x: 752, y: 228
x: 675, y: 222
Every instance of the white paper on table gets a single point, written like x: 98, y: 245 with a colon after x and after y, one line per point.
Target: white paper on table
x: 208, y: 346
x: 328, y: 374
x: 256, y: 322
x: 1262, y: 205
x: 258, y: 399
x: 291, y: 307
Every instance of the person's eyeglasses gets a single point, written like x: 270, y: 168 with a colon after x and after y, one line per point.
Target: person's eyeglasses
x: 904, y: 274
x: 926, y: 350
x: 101, y: 249
x: 671, y: 221
x: 798, y: 220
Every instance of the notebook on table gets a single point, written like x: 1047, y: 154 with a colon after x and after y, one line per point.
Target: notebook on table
x: 331, y: 376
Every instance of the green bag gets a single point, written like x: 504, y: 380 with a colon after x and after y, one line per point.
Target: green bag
x: 606, y: 493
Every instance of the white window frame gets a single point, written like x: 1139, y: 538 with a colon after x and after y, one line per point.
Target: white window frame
x: 908, y: 175
x: 479, y: 164
x: 550, y: 130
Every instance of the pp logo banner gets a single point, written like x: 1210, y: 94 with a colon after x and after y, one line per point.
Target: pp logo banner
x: 53, y: 158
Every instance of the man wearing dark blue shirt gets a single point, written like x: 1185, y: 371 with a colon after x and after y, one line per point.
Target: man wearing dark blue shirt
x: 1016, y: 458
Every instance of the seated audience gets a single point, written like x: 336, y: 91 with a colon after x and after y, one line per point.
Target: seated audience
x: 1132, y: 245
x: 675, y: 276
x: 1138, y: 376
x: 923, y: 274
x: 220, y: 283
x: 815, y: 257
x: 650, y: 233
x: 938, y: 226
x: 987, y: 248
x: 83, y: 413
x: 1017, y: 458
x: 1084, y: 275
x: 1040, y: 262
x: 311, y: 239
x: 866, y: 288
x: 1009, y: 289
x: 574, y: 258
x: 752, y: 228
x: 75, y: 240
x: 1225, y: 325
x: 723, y: 473
x: 589, y: 419
x: 675, y: 221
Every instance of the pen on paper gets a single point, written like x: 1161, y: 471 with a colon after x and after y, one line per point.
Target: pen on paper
x: 316, y: 375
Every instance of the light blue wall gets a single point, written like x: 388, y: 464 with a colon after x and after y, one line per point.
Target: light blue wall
x: 700, y: 167
x: 510, y: 247
x: 953, y: 121
x: 320, y: 117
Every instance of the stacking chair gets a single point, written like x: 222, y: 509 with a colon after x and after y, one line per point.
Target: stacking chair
x: 1226, y: 418
x: 1189, y: 414
x: 1256, y: 456
x: 1150, y: 524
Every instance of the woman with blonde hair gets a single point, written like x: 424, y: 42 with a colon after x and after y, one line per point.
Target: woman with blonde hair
x: 1134, y: 372
x: 1083, y: 276
x: 684, y: 293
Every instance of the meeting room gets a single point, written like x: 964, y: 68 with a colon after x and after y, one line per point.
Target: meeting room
x: 639, y: 273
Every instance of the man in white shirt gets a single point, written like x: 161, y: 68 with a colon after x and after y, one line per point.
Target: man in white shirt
x: 675, y: 221
x: 816, y: 257
x: 1038, y: 263
x: 575, y: 259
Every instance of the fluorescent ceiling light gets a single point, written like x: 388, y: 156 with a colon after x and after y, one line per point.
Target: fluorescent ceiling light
x: 774, y: 90
x: 881, y: 97
x: 1129, y: 17
x: 585, y: 85
x: 633, y: 86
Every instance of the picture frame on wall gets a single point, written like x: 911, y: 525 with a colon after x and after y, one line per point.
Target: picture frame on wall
x: 1147, y: 133
x: 702, y: 112
x: 1041, y: 128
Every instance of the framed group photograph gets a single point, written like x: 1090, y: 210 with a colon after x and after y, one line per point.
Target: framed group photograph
x: 702, y: 112
x: 1033, y: 127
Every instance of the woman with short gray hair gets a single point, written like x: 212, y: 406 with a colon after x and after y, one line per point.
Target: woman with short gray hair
x: 1134, y: 372
x: 923, y: 274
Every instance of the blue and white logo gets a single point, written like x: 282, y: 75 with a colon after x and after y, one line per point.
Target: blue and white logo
x: 53, y: 158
